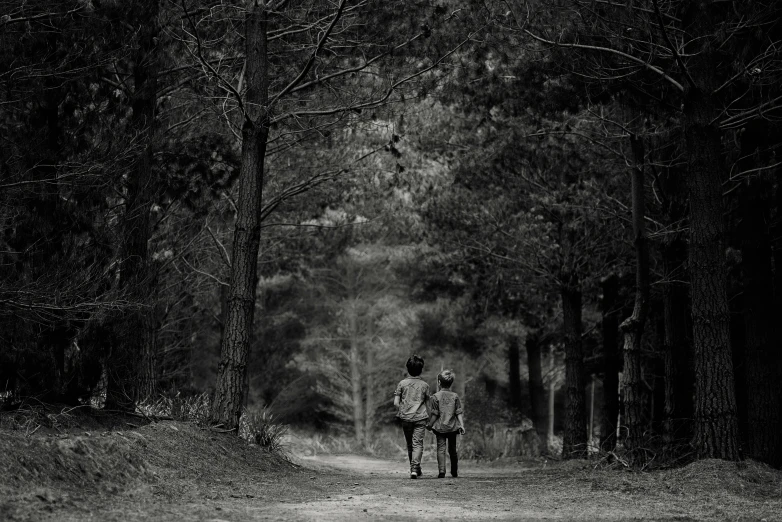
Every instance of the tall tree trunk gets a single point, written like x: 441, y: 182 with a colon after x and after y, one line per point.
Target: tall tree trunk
x: 574, y: 442
x: 235, y: 346
x: 679, y: 375
x: 716, y: 427
x: 369, y: 410
x: 776, y: 233
x: 764, y: 395
x: 551, y: 397
x: 461, y: 383
x: 777, y: 263
x: 355, y: 374
x: 610, y: 329
x: 132, y: 366
x: 635, y: 392
x: 537, y: 393
x: 514, y: 374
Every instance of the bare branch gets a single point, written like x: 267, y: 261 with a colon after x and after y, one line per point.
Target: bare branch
x: 314, y: 55
x: 672, y: 47
x: 609, y: 50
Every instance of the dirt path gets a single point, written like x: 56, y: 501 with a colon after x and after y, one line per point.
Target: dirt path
x: 357, y: 488
x: 222, y: 479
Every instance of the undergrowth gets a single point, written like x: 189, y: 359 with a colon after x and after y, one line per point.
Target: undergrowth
x: 30, y: 418
x: 262, y: 428
x: 255, y: 426
x: 653, y: 453
x: 194, y: 408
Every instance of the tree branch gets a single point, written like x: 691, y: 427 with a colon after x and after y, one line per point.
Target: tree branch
x: 609, y: 50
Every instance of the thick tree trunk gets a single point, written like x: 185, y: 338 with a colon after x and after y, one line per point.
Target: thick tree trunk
x: 610, y: 329
x: 235, y: 349
x: 716, y: 428
x: 764, y: 395
x: 537, y: 393
x: 132, y: 366
x: 679, y: 376
x: 514, y: 374
x: 574, y: 443
x: 635, y: 392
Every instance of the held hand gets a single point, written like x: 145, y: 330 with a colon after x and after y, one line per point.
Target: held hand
x: 461, y: 431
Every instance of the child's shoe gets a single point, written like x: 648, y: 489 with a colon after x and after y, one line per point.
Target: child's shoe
x: 419, y: 472
x: 441, y: 475
x: 413, y: 475
x: 454, y: 475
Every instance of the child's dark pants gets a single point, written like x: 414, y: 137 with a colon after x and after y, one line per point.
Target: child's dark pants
x: 442, y: 439
x: 414, y: 436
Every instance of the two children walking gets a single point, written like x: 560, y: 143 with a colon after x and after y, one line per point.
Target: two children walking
x: 418, y: 411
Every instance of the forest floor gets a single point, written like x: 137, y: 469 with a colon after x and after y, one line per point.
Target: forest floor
x: 175, y: 471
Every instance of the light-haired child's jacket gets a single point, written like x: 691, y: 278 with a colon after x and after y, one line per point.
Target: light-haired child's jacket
x: 443, y: 410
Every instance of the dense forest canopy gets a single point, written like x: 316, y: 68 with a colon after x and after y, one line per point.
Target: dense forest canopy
x: 575, y: 205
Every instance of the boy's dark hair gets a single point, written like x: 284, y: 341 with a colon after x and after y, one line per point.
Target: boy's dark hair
x: 446, y: 378
x: 415, y: 365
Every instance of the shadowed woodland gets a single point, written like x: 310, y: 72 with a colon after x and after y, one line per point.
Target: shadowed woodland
x: 263, y: 208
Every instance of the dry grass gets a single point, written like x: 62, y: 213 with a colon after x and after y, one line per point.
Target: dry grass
x: 164, y: 459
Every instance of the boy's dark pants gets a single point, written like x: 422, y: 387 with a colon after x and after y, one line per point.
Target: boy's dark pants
x: 450, y: 438
x: 414, y: 436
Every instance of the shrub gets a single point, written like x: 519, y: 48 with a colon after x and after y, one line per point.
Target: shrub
x: 262, y: 428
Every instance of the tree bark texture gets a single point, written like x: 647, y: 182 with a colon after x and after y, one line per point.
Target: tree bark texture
x: 610, y: 330
x: 762, y: 361
x: 514, y: 374
x: 635, y: 392
x: 716, y: 427
x: 574, y: 443
x: 537, y: 393
x: 235, y: 348
x: 132, y: 365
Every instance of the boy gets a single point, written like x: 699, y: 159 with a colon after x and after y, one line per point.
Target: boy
x: 446, y: 420
x: 410, y: 400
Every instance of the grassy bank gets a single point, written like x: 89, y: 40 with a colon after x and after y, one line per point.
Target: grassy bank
x: 81, y: 471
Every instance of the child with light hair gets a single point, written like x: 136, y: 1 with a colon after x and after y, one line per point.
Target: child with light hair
x: 446, y: 420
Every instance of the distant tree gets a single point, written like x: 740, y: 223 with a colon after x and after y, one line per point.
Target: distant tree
x: 633, y: 385
x: 132, y: 367
x: 307, y: 67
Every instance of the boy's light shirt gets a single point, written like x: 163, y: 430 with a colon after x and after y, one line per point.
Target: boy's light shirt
x: 446, y: 406
x: 413, y: 393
